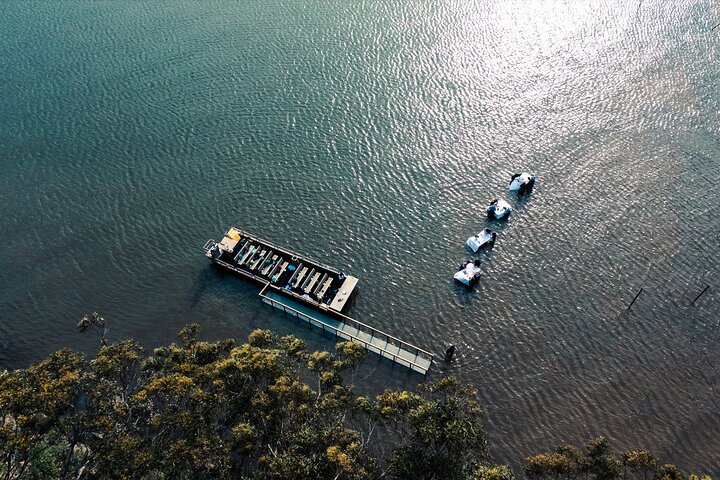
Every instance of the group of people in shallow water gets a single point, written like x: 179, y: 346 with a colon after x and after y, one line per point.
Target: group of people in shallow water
x: 522, y: 183
x: 499, y: 209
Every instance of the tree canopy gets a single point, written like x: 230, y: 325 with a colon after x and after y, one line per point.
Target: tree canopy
x: 598, y: 460
x: 268, y: 409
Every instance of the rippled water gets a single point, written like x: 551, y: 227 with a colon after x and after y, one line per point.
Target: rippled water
x: 370, y: 135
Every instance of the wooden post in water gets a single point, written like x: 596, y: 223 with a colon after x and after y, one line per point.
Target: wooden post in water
x: 449, y: 352
x: 701, y: 294
x: 636, y: 297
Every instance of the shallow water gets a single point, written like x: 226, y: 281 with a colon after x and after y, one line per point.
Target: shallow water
x: 370, y: 135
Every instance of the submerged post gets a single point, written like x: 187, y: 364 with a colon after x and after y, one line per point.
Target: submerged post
x: 701, y: 294
x: 636, y: 297
x: 449, y: 352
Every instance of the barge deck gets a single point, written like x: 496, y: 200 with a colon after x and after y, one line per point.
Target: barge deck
x: 301, y: 279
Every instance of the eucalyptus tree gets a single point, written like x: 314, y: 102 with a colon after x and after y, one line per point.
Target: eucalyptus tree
x: 268, y: 409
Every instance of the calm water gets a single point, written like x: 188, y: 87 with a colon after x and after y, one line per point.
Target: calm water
x: 370, y: 135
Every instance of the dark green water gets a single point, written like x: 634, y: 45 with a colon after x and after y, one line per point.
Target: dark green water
x: 370, y: 135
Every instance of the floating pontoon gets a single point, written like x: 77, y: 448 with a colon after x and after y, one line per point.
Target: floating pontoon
x: 469, y: 273
x: 498, y: 209
x: 486, y: 238
x: 522, y: 183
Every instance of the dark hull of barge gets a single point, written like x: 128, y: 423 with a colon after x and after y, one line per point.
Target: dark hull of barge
x: 304, y: 280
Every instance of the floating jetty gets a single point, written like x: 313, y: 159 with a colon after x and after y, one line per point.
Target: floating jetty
x: 299, y: 278
x: 309, y: 291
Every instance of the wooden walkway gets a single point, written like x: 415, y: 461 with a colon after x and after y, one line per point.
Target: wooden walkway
x: 342, y: 326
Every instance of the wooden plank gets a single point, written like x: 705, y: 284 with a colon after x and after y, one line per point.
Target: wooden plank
x: 248, y: 254
x: 300, y: 277
x: 319, y: 284
x: 307, y: 280
x: 325, y: 288
x: 295, y: 274
x: 241, y: 252
x: 269, y: 264
x: 311, y: 283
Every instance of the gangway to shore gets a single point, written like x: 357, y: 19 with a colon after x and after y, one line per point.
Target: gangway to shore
x: 342, y: 326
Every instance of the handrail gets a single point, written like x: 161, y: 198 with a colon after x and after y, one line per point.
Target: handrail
x: 358, y: 322
x: 240, y: 270
x: 395, y: 357
x: 385, y: 353
x: 342, y: 315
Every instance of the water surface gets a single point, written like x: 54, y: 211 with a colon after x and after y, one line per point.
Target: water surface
x: 370, y: 135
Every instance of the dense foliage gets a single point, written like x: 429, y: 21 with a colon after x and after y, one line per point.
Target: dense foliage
x: 268, y: 409
x: 598, y: 460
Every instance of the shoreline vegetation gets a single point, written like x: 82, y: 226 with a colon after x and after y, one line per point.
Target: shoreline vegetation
x: 266, y: 409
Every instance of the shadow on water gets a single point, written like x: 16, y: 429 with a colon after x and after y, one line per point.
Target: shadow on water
x: 218, y: 282
x: 498, y: 226
x: 463, y: 293
x: 206, y: 279
x: 521, y: 201
x: 483, y: 254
